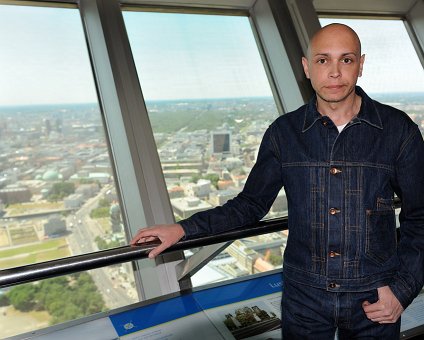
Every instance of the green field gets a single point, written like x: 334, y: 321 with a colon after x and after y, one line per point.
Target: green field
x: 23, y: 235
x: 170, y: 118
x: 32, y: 207
x: 39, y: 252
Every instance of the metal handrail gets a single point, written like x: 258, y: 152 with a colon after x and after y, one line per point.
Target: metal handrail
x: 68, y: 265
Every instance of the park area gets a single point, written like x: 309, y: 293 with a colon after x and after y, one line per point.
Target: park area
x: 36, y: 252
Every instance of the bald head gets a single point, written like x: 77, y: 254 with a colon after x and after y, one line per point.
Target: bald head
x: 333, y: 33
x: 334, y: 63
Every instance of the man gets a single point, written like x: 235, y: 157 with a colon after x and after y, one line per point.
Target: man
x: 341, y: 158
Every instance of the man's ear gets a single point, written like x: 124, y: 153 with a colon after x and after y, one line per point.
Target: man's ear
x: 305, y: 67
x: 361, y: 64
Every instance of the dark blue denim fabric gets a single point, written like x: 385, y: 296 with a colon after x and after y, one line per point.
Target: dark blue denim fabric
x: 316, y: 314
x: 340, y: 190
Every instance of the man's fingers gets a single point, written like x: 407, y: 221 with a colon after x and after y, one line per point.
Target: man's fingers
x: 371, y: 307
x: 384, y: 319
x: 148, y: 236
x: 373, y: 311
x: 168, y: 235
x: 144, y: 240
x: 144, y: 235
x: 156, y: 251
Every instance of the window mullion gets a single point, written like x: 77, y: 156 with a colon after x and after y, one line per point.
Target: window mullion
x: 415, y: 27
x: 133, y: 147
x: 275, y: 51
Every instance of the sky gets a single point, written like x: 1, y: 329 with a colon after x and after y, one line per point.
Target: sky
x: 44, y: 57
x: 391, y: 63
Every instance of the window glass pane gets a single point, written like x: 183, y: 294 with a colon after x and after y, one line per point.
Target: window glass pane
x: 392, y: 72
x: 209, y: 103
x: 58, y: 196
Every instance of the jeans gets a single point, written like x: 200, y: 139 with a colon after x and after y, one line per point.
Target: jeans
x: 313, y: 313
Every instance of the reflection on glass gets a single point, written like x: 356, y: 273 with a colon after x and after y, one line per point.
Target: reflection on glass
x: 392, y: 72
x: 57, y: 192
x: 209, y: 103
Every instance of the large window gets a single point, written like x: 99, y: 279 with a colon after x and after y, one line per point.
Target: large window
x: 57, y: 190
x: 209, y: 103
x: 392, y: 72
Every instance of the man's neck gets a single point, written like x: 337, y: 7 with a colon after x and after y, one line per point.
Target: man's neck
x: 341, y: 112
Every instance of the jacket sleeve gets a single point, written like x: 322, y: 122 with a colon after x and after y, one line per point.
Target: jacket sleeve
x: 409, y: 279
x: 249, y: 206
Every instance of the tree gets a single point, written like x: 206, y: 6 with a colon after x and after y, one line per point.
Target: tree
x: 22, y: 297
x: 115, y: 217
x: 64, y: 298
x: 104, y: 202
x: 60, y: 190
x: 214, y: 178
x: 195, y: 178
x: 99, y: 212
x: 4, y: 300
x: 275, y: 259
x: 101, y: 243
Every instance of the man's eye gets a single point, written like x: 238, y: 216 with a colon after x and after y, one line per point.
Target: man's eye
x: 321, y: 61
x: 346, y: 60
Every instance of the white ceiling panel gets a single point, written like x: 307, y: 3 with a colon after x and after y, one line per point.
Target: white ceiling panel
x: 386, y: 7
x: 234, y: 4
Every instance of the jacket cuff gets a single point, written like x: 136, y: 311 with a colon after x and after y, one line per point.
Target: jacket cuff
x: 190, y: 229
x: 402, y: 292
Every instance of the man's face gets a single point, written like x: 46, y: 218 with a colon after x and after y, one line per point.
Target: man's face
x: 334, y: 63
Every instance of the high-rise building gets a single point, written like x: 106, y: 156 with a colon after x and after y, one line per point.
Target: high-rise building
x: 221, y: 142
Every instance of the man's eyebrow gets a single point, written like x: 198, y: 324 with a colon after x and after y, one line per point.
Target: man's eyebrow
x: 328, y: 54
x: 348, y: 53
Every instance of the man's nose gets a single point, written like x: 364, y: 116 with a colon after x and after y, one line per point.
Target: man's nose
x: 334, y: 70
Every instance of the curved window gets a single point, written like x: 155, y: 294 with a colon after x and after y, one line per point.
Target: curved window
x: 209, y: 102
x: 57, y: 190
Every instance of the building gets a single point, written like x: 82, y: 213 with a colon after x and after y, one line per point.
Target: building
x: 187, y: 206
x: 15, y: 194
x: 221, y: 142
x: 87, y: 190
x: 222, y: 196
x: 55, y: 226
x: 201, y: 189
x: 73, y: 201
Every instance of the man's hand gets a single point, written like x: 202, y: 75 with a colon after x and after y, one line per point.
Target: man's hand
x: 168, y: 234
x: 386, y: 310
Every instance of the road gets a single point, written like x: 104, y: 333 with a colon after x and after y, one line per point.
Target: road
x: 84, y: 230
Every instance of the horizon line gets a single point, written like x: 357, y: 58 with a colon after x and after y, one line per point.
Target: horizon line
x: 190, y: 99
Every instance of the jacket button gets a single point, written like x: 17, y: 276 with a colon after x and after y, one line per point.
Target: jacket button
x: 334, y: 171
x: 332, y: 285
x: 324, y: 122
x: 333, y: 254
x: 334, y: 211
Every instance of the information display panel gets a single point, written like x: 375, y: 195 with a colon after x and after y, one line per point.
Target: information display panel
x: 242, y: 310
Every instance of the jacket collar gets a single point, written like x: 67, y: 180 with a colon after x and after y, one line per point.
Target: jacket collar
x: 368, y: 112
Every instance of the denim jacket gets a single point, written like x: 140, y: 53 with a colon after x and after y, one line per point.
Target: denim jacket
x: 340, y: 189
